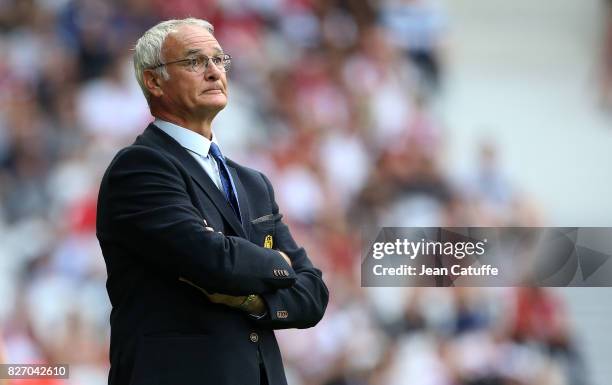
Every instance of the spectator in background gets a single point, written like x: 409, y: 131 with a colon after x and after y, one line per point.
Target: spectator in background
x: 489, y: 190
x: 417, y: 27
x: 113, y: 91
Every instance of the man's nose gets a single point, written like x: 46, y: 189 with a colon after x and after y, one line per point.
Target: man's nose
x: 211, y: 72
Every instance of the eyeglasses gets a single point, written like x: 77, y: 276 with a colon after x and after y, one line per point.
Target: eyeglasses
x: 200, y: 62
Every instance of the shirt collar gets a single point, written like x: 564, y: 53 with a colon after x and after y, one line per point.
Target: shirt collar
x: 190, y: 140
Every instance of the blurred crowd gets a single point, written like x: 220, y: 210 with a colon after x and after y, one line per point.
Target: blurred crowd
x: 336, y: 102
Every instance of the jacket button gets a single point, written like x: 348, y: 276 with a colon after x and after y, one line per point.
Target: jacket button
x: 254, y: 337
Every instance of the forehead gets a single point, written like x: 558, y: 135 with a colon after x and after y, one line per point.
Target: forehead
x: 189, y: 39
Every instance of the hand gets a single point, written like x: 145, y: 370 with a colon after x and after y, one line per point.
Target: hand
x: 224, y: 299
x: 286, y: 257
x: 256, y: 307
x: 208, y: 228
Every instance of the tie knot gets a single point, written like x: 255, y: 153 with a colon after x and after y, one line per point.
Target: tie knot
x: 215, y: 151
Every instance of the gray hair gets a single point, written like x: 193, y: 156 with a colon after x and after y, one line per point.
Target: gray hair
x: 147, y: 52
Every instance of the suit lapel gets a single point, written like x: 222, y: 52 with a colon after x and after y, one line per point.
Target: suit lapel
x: 242, y: 200
x: 166, y: 143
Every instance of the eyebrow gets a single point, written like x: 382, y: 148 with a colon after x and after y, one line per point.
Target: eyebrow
x: 194, y: 51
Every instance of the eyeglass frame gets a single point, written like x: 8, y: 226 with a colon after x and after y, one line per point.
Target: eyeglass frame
x: 225, y: 68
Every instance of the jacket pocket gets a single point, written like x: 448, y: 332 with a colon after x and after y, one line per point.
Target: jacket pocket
x: 191, y: 360
x: 262, y: 233
x: 266, y: 218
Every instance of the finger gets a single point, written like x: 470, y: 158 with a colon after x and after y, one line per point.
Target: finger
x: 285, y: 257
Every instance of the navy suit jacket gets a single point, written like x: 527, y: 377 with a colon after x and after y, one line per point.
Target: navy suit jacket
x: 153, y: 200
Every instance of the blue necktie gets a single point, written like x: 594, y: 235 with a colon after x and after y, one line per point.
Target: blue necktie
x: 226, y: 183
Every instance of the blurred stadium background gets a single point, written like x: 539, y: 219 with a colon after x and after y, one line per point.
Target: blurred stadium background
x: 398, y: 112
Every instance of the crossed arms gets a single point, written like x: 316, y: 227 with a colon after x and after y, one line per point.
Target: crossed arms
x: 144, y: 195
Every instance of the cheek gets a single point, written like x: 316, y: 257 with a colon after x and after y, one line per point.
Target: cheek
x: 178, y: 89
x: 185, y: 84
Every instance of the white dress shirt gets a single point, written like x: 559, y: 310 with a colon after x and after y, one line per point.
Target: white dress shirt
x: 197, y: 145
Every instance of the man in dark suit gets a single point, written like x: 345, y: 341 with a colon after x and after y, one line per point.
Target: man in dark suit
x: 201, y: 268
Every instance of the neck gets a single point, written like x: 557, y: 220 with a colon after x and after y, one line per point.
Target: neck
x: 201, y: 126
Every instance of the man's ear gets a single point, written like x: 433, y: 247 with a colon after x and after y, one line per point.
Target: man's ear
x: 152, y: 82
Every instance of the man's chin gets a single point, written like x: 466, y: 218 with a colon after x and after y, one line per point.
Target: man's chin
x: 218, y: 100
x: 212, y: 108
x: 218, y: 103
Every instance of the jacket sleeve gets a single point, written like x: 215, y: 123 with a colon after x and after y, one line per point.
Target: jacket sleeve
x: 144, y: 204
x: 303, y: 304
